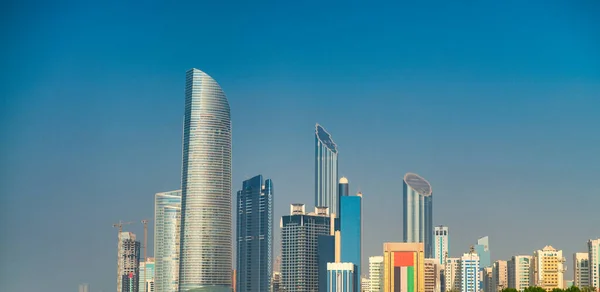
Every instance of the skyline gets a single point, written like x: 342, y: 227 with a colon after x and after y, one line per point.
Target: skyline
x: 507, y: 132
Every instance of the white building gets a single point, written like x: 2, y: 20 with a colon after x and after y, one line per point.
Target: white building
x: 499, y: 276
x: 594, y: 260
x: 519, y: 271
x: 441, y: 244
x: 167, y: 228
x: 452, y: 274
x: 340, y: 277
x: 376, y: 274
x: 469, y: 267
x: 581, y: 269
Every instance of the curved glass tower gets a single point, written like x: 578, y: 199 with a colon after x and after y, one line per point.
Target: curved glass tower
x: 326, y: 166
x: 418, y: 212
x: 206, y: 251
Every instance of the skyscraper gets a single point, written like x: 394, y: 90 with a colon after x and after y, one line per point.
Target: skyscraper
x: 519, y: 272
x: 326, y: 252
x: 147, y: 272
x: 441, y: 244
x: 299, y: 241
x: 594, y: 260
x: 206, y: 250
x: 483, y: 251
x: 470, y: 280
x: 404, y: 267
x: 129, y: 263
x: 350, y: 228
x: 499, y: 276
x: 418, y: 212
x: 548, y: 269
x: 376, y: 274
x: 167, y: 223
x: 340, y: 277
x: 581, y: 269
x: 326, y: 171
x: 254, y: 235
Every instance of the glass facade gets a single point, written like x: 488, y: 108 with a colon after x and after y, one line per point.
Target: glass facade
x: 325, y: 254
x: 147, y: 273
x: 326, y: 171
x: 351, y: 229
x: 483, y: 250
x: 167, y: 222
x: 254, y: 235
x: 341, y: 277
x: 206, y: 237
x: 418, y: 212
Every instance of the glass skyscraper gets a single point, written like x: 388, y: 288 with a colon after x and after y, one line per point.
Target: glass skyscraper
x: 326, y: 171
x: 483, y: 251
x: 254, y: 235
x: 351, y: 231
x: 206, y: 250
x: 418, y: 212
x: 167, y: 222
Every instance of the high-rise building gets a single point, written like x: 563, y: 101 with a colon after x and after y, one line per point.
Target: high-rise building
x: 341, y: 277
x: 254, y: 235
x: 167, y: 229
x: 487, y: 279
x: 326, y: 252
x: 581, y: 269
x: 432, y: 275
x: 364, y: 284
x: 404, y: 267
x: 452, y: 274
x: 276, y: 282
x: 350, y: 227
x: 343, y: 190
x: 147, y: 273
x: 470, y: 280
x: 594, y: 260
x: 441, y: 244
x: 128, y: 267
x: 483, y: 251
x: 548, y: 269
x: 84, y: 287
x: 206, y: 247
x: 519, y: 270
x: 299, y: 244
x: 376, y: 274
x: 326, y: 171
x: 418, y: 212
x: 499, y: 276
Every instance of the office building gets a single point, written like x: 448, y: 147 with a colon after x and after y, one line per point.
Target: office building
x: 376, y: 274
x: 519, y: 271
x: 432, y: 275
x: 206, y: 247
x: 326, y: 171
x: 147, y: 272
x: 128, y: 266
x: 548, y: 269
x: 350, y: 226
x: 483, y: 251
x: 441, y: 244
x: 326, y: 252
x: 470, y: 280
x: 341, y: 277
x: 594, y: 261
x: 254, y: 266
x: 418, y: 212
x: 84, y: 287
x: 581, y: 269
x: 452, y: 274
x: 299, y: 245
x: 487, y: 279
x: 276, y: 282
x: 404, y: 267
x: 364, y: 284
x: 167, y: 229
x: 499, y: 276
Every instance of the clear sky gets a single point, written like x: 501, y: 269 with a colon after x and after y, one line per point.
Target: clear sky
x: 496, y: 103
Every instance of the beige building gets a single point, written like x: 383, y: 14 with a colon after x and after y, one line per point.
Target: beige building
x: 486, y: 279
x: 452, y: 274
x: 499, y: 276
x: 548, y: 269
x: 581, y: 269
x: 403, y: 267
x: 519, y: 270
x: 376, y: 274
x: 432, y: 275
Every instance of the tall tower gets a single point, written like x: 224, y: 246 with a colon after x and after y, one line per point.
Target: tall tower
x: 351, y: 231
x: 129, y: 263
x: 470, y: 279
x: 254, y: 264
x: 326, y: 171
x: 418, y: 212
x: 483, y: 250
x: 206, y: 239
x: 594, y: 260
x: 167, y: 222
x: 441, y: 244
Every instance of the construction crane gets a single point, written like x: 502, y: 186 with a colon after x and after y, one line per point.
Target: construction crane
x: 145, y: 222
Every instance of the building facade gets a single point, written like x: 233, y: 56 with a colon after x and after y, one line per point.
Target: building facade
x: 206, y: 250
x: 326, y: 252
x: 519, y: 270
x: 403, y: 267
x: 299, y: 247
x: 167, y: 229
x: 147, y: 273
x: 351, y: 231
x: 499, y: 276
x: 376, y: 274
x: 326, y: 171
x: 581, y: 269
x: 483, y: 251
x: 276, y: 282
x: 254, y: 262
x: 469, y: 268
x: 432, y: 275
x: 128, y: 267
x: 452, y: 274
x: 441, y: 244
x: 418, y: 212
x: 341, y: 277
x: 548, y: 269
x: 594, y: 261
x: 84, y: 287
x: 487, y: 279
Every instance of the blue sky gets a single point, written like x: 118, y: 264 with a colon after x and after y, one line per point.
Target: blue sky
x: 496, y: 104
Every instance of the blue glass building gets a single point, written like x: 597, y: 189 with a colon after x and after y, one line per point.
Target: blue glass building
x: 343, y: 191
x: 325, y: 254
x: 341, y: 277
x: 483, y: 251
x: 326, y: 171
x: 254, y: 235
x: 418, y: 212
x: 351, y: 233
